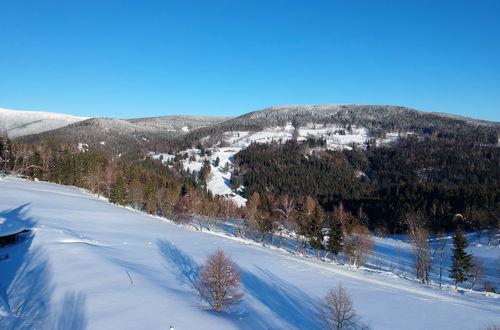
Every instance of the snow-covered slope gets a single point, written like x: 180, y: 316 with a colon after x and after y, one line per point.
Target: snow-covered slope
x: 119, y: 136
x: 91, y: 265
x: 178, y: 124
x: 218, y: 181
x: 18, y: 123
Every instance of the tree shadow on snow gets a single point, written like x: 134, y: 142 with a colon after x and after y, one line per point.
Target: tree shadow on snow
x: 186, y: 272
x: 15, y: 253
x: 72, y: 313
x: 286, y: 301
x: 187, y: 269
x: 27, y: 286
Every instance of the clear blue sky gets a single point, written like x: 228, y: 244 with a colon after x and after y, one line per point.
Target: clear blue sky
x: 145, y: 58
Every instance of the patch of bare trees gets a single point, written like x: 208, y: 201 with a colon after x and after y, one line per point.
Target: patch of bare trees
x: 420, y: 243
x: 358, y: 245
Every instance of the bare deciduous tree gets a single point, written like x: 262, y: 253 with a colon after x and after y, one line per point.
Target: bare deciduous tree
x: 109, y: 178
x: 136, y: 194
x: 476, y: 273
x: 167, y: 200
x: 287, y: 212
x: 358, y: 245
x: 419, y: 240
x: 258, y: 217
x: 441, y: 257
x: 188, y: 206
x: 219, y: 281
x: 302, y: 222
x: 336, y: 311
x: 92, y: 181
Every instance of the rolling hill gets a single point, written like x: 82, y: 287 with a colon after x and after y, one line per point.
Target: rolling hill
x: 19, y: 123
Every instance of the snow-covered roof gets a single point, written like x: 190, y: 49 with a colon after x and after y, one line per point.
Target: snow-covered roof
x: 10, y: 227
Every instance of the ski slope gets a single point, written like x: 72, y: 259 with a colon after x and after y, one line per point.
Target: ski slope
x: 91, y: 265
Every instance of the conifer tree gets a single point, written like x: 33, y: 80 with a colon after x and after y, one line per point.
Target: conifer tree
x: 118, y: 192
x: 205, y: 171
x: 315, y: 232
x: 461, y: 260
x: 335, y: 237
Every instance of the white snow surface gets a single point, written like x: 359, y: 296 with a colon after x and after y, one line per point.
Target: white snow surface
x: 10, y: 227
x: 90, y: 265
x: 219, y: 183
x: 166, y: 157
x: 18, y: 123
x: 336, y: 137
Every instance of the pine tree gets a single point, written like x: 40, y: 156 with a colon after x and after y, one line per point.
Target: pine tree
x: 118, y: 192
x: 461, y: 260
x: 315, y: 230
x: 335, y: 237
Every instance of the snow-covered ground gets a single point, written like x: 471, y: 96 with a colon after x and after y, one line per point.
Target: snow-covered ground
x: 219, y: 180
x: 18, y: 123
x: 336, y: 136
x: 91, y: 265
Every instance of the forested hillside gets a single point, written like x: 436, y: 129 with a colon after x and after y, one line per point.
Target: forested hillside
x: 378, y: 119
x: 434, y: 178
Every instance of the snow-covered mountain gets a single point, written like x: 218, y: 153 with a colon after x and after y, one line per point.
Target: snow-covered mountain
x: 120, y: 136
x: 18, y: 123
x: 341, y: 126
x: 375, y: 120
x: 99, y: 266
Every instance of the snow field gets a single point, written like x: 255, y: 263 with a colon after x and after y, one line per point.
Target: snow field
x: 89, y: 264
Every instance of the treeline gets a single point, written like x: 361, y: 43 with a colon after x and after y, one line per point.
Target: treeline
x: 170, y: 191
x: 436, y: 178
x: 275, y: 217
x: 379, y: 120
x: 145, y: 185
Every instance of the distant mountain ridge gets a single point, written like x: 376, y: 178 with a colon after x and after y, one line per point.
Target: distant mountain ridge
x: 19, y: 122
x: 376, y: 118
x: 119, y: 136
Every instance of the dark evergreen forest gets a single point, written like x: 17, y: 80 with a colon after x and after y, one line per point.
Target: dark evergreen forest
x: 435, y: 178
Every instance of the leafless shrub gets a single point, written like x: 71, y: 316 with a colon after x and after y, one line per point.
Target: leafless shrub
x: 336, y: 311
